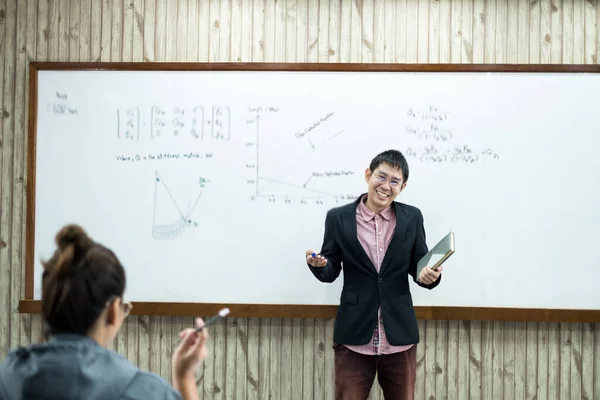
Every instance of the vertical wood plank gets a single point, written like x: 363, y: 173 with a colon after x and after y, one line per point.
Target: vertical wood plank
x: 302, y: 31
x: 389, y: 29
x: 590, y: 44
x: 137, y: 10
x: 546, y: 33
x: 497, y: 360
x: 253, y: 338
x: 326, y: 20
x: 523, y: 32
x: 487, y: 358
x: 467, y: 31
x: 128, y: 29
x: 116, y: 43
x: 542, y: 361
x: 434, y: 31
x: 334, y: 28
x: 565, y: 24
x: 290, y: 30
x: 364, y: 11
x: 329, y: 360
x: 379, y: 27
x: 42, y: 32
x: 22, y: 322
x: 593, y: 370
x: 501, y: 31
x: 512, y: 27
x: 520, y: 360
x: 535, y: 41
x: 149, y: 22
x: 565, y: 361
x: 8, y: 23
x: 452, y: 361
x: 509, y: 367
x: 422, y: 31
x: 463, y: 359
x: 229, y: 357
x: 240, y: 352
x: 258, y: 31
x: 422, y: 382
x: 578, y: 32
x: 276, y: 374
x: 490, y: 51
x: 553, y: 361
x: 204, y: 30
x: 105, y: 29
x: 479, y: 26
x: 429, y: 356
x: 402, y: 26
x: 39, y: 52
x: 356, y: 34
x: 575, y: 378
x: 531, y: 360
x: 456, y: 32
x: 5, y: 288
x: 445, y: 33
x: 314, y: 13
x: 85, y: 31
x: 225, y: 30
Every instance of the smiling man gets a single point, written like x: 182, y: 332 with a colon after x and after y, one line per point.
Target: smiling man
x: 378, y: 241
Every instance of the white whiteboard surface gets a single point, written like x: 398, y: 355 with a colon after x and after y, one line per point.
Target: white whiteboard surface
x: 210, y: 185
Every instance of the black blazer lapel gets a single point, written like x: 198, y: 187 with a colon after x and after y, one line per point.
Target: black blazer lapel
x: 398, y: 238
x: 349, y: 225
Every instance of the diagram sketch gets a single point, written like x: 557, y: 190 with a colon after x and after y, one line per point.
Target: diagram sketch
x: 304, y: 173
x: 169, y: 219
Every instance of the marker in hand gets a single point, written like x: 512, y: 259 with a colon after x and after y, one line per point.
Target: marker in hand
x: 222, y: 314
x: 315, y: 259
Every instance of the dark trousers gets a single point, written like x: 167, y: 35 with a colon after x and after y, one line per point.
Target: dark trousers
x: 355, y: 373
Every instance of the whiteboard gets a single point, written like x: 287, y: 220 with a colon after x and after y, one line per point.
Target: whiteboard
x: 209, y: 185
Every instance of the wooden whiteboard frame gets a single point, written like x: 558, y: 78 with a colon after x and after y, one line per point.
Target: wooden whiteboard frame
x: 29, y: 305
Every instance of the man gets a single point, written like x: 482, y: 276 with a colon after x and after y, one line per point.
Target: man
x: 379, y: 241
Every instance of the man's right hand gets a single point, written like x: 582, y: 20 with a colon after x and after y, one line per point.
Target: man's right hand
x: 318, y: 261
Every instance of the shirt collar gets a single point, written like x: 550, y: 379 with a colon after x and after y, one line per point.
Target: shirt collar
x: 368, y: 215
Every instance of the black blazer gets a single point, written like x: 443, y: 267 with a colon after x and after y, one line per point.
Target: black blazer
x: 364, y: 289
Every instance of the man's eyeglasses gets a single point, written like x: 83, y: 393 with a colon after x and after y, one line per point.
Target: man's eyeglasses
x: 393, y: 182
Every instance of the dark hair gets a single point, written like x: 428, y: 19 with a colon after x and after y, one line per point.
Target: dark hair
x: 78, y: 282
x: 392, y: 157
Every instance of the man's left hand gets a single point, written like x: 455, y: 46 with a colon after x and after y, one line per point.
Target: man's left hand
x: 428, y: 276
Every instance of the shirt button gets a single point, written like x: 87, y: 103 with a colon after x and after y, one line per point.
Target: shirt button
x: 380, y: 249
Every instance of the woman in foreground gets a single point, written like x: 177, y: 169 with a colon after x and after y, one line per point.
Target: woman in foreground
x: 82, y: 305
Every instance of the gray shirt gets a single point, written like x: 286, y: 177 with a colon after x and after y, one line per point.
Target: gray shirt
x: 76, y: 367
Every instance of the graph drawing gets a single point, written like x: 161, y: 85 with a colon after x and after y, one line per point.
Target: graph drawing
x: 170, y: 220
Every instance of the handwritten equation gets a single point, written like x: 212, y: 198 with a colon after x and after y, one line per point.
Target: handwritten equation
x: 313, y: 126
x: 431, y: 114
x: 122, y: 158
x: 430, y: 132
x: 430, y: 126
x: 61, y: 105
x: 160, y: 122
x: 462, y: 154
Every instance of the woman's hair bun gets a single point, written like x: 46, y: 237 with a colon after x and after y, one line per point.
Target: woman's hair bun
x: 73, y: 235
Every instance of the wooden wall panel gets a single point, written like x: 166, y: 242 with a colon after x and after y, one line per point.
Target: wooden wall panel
x: 281, y: 358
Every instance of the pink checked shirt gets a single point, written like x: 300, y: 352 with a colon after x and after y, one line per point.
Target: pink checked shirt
x: 375, y: 233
